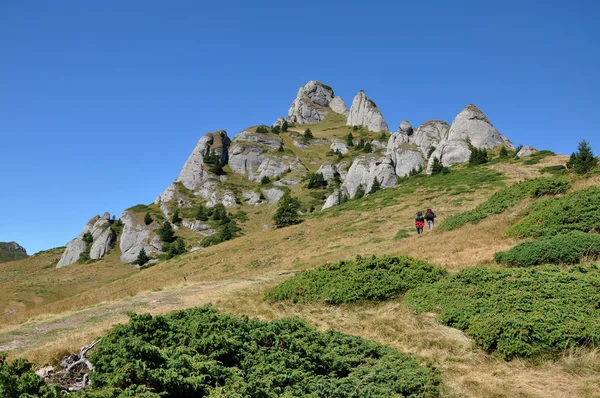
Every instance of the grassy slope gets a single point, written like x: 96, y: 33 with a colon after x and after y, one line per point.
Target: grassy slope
x: 106, y: 288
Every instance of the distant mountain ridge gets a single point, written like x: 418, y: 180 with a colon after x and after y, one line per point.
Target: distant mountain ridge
x: 11, y: 251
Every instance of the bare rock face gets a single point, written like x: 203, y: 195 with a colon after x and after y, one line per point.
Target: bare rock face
x: 338, y: 105
x: 406, y: 157
x: 328, y: 170
x: 429, y: 135
x: 365, y: 169
x: 526, y: 151
x: 273, y: 195
x: 102, y: 244
x: 310, y: 105
x: 364, y: 112
x: 97, y: 227
x: 279, y: 122
x: 470, y: 125
x: 192, y: 174
x: 335, y: 198
x: 248, y: 148
x: 339, y: 145
x: 137, y: 236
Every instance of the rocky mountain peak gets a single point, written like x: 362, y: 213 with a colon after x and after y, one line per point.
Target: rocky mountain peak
x: 364, y: 112
x: 10, y: 251
x: 310, y: 105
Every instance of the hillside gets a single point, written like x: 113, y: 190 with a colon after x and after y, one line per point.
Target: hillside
x: 11, y: 251
x: 483, y: 210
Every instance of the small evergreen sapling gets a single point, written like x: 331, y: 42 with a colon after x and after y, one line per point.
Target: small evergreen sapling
x: 142, y: 258
x: 287, y: 211
x: 375, y: 187
x: 148, y: 218
x: 582, y: 161
x: 176, y: 219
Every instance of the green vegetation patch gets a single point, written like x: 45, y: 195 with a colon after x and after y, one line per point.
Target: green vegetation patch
x: 562, y: 248
x: 524, y: 312
x: 359, y: 279
x: 535, y: 157
x: 577, y: 211
x: 554, y: 170
x: 199, y: 352
x: 505, y: 198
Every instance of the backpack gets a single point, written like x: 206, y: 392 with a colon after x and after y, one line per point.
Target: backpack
x: 430, y: 215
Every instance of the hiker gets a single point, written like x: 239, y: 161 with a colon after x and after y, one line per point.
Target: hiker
x: 429, y: 217
x: 419, y: 223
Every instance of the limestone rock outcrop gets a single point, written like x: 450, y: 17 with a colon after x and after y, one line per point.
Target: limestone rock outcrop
x: 273, y: 195
x: 406, y: 157
x: 338, y: 105
x: 526, y: 151
x: 97, y: 227
x: 335, y: 198
x: 311, y: 103
x: 365, y: 169
x: 364, y: 112
x: 339, y: 145
x: 405, y: 128
x: 470, y: 125
x: 102, y: 244
x: 429, y: 135
x: 136, y: 236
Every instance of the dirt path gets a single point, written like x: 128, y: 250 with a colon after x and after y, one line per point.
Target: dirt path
x: 73, y: 328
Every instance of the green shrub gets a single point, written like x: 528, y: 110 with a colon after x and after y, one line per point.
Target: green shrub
x: 523, y: 312
x: 142, y: 258
x: 262, y: 129
x: 505, y: 198
x: 284, y: 126
x: 577, y: 211
x: 211, y: 157
x: 367, y: 148
x: 265, y: 180
x: 201, y: 213
x: 360, y: 192
x: 316, y: 181
x: 562, y: 248
x: 17, y: 379
x: 176, y: 219
x: 535, y: 158
x: 148, y: 218
x: 503, y: 152
x: 88, y: 238
x: 196, y: 351
x: 359, y: 279
x: 554, y: 170
x: 308, y: 135
x: 350, y: 140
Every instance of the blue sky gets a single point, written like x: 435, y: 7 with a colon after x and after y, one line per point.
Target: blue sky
x: 102, y: 102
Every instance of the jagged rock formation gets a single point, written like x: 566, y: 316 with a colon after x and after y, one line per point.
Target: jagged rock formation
x: 279, y: 122
x: 249, y: 155
x: 102, y: 244
x: 406, y: 158
x: 470, y: 125
x: 11, y: 251
x: 97, y: 227
x: 338, y: 105
x: 365, y: 169
x: 364, y: 112
x: 137, y: 235
x: 310, y: 105
x: 405, y: 127
x: 526, y: 151
x: 194, y: 177
x: 429, y: 135
x: 339, y: 145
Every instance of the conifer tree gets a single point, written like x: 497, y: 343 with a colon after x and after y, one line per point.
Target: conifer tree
x: 142, y: 258
x: 308, y: 134
x: 349, y: 140
x: 201, y: 213
x: 375, y: 187
x: 148, y: 218
x: 287, y: 211
x: 436, y: 167
x: 165, y: 233
x: 175, y: 219
x: 582, y: 161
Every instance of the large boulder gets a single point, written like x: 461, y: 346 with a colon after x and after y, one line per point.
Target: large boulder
x: 526, y: 151
x: 273, y: 195
x: 365, y: 169
x: 339, y: 145
x: 470, y: 126
x: 364, y: 112
x: 136, y: 236
x: 405, y: 128
x: 338, y: 105
x: 97, y: 228
x: 310, y: 105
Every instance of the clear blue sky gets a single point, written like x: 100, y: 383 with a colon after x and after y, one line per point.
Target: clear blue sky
x: 102, y: 102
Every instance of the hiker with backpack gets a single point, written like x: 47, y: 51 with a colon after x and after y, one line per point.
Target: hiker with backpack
x: 429, y: 217
x: 419, y: 223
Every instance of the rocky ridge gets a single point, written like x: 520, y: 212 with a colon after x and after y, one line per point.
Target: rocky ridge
x: 11, y: 251
x: 261, y: 154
